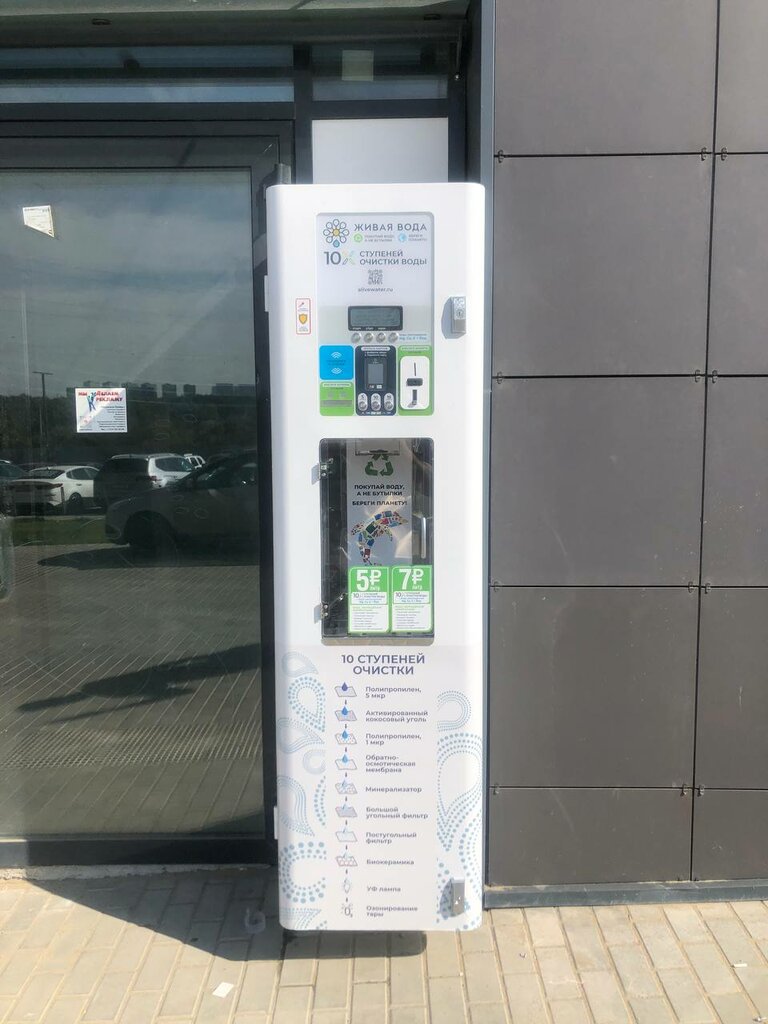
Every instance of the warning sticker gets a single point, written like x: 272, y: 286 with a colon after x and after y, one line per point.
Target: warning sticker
x: 303, y: 316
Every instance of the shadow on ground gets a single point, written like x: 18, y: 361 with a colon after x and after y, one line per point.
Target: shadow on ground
x: 159, y: 682
x: 229, y: 913
x: 174, y: 556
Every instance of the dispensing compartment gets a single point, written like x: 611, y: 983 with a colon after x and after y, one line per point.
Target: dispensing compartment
x: 377, y: 567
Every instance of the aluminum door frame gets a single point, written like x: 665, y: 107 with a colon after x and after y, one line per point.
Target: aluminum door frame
x: 152, y: 145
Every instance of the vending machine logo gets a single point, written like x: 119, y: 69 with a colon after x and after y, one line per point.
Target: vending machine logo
x: 336, y: 232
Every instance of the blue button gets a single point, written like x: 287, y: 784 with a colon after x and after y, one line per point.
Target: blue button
x: 337, y: 362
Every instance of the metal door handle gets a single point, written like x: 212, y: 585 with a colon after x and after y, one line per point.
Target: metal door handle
x: 423, y: 537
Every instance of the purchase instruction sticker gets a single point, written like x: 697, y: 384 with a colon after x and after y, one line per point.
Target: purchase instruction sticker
x: 411, y: 598
x: 368, y: 591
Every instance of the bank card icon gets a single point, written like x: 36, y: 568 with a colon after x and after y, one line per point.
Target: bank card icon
x: 346, y: 860
x: 345, y: 690
x: 346, y: 787
x: 346, y: 764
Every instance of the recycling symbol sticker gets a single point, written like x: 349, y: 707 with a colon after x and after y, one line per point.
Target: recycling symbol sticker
x: 371, y: 470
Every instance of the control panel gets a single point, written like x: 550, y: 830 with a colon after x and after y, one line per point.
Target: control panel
x: 375, y: 382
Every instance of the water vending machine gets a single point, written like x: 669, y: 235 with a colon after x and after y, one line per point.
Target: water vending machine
x: 376, y: 352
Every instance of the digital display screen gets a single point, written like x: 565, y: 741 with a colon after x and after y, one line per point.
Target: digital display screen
x: 374, y: 372
x: 375, y: 318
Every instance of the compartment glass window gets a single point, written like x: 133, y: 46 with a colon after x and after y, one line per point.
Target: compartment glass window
x: 377, y: 539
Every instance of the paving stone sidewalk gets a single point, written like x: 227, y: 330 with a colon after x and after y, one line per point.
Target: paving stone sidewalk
x: 191, y: 947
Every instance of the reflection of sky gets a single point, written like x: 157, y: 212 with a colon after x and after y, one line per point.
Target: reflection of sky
x: 148, y: 279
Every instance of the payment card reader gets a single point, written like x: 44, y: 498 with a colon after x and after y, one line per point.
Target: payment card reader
x: 376, y: 363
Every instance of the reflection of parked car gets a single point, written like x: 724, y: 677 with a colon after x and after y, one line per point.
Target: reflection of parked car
x: 195, y: 461
x: 55, y: 489
x: 215, y: 504
x: 9, y: 472
x: 122, y: 476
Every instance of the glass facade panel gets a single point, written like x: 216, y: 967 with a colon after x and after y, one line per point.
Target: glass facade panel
x: 130, y: 682
x: 414, y: 56
x: 150, y: 57
x: 192, y: 91
x: 426, y: 88
x: 407, y: 70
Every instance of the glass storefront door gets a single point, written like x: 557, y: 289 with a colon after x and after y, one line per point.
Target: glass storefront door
x: 131, y: 333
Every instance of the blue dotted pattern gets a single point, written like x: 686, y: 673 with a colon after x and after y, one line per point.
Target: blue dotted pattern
x: 313, y: 716
x: 296, y: 821
x: 458, y: 814
x: 468, y: 856
x: 314, y: 762
x: 299, y: 919
x: 450, y: 813
x: 469, y: 847
x: 464, y: 709
x: 319, y: 802
x: 293, y: 736
x: 295, y: 664
x: 289, y: 860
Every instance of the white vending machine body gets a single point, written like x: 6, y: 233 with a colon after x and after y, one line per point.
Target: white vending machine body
x: 376, y: 363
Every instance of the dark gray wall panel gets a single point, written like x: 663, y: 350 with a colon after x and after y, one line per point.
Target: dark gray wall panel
x: 732, y: 720
x: 596, y: 481
x: 738, y: 342
x: 604, y: 76
x: 583, y: 836
x: 601, y: 265
x: 742, y: 105
x: 730, y: 834
x: 736, y: 494
x: 592, y: 687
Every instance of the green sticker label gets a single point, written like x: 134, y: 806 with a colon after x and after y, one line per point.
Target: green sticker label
x: 368, y: 590
x: 337, y: 398
x: 411, y: 598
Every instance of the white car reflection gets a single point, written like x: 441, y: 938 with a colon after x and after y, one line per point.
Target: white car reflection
x: 125, y: 475
x: 53, y: 489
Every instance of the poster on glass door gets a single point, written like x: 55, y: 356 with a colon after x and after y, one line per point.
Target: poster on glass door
x: 101, y: 411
